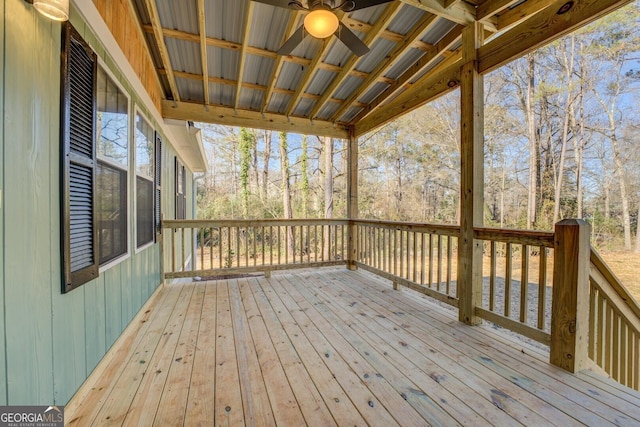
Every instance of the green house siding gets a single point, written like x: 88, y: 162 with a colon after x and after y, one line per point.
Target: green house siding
x: 53, y: 340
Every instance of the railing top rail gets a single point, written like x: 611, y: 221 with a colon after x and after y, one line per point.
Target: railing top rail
x: 525, y: 237
x: 601, y: 266
x: 445, y: 229
x: 206, y: 223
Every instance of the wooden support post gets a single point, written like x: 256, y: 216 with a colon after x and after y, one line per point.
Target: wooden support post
x: 395, y: 286
x: 570, y: 304
x: 471, y: 176
x: 267, y: 274
x: 352, y: 198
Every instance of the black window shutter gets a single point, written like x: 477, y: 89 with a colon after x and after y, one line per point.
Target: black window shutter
x: 78, y: 158
x: 158, y: 184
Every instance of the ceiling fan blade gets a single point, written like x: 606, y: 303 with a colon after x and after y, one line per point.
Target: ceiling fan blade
x: 352, y: 41
x: 362, y: 4
x: 277, y: 3
x: 293, y: 42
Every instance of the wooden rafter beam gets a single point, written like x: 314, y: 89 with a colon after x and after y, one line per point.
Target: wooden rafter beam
x: 391, y: 10
x: 251, y: 119
x: 422, y: 26
x: 460, y: 13
x: 254, y: 86
x: 524, y: 11
x: 162, y: 47
x: 243, y: 50
x: 541, y: 29
x: 280, y: 60
x: 490, y: 7
x: 430, y: 87
x: 406, y: 77
x: 202, y: 27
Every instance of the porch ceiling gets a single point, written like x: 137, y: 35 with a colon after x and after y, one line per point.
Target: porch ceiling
x: 216, y: 60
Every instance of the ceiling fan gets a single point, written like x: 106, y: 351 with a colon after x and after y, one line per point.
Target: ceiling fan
x: 321, y: 22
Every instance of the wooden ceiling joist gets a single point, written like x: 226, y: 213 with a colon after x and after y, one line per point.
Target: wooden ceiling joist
x: 243, y: 50
x: 390, y: 12
x: 542, y: 28
x: 162, y: 47
x: 489, y: 8
x: 251, y: 119
x: 254, y: 86
x: 202, y: 26
x: 422, y: 26
x: 460, y: 13
x: 406, y: 77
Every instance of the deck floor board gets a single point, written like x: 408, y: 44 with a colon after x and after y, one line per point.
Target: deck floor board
x: 331, y: 347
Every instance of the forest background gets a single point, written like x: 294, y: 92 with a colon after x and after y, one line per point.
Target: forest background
x: 562, y: 140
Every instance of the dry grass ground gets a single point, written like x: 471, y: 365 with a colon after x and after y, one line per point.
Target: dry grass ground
x: 626, y: 265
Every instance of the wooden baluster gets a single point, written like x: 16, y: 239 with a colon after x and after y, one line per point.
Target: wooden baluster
x: 592, y: 321
x: 278, y: 239
x: 415, y: 257
x: 173, y: 250
x: 524, y: 284
x: 542, y: 289
x: 211, y: 247
x: 439, y: 262
x: 430, y: 260
x: 262, y: 236
x: 492, y: 276
x: 238, y: 250
x: 200, y: 246
x: 423, y: 257
x: 600, y: 349
x: 183, y: 249
x: 507, y: 280
x: 449, y: 256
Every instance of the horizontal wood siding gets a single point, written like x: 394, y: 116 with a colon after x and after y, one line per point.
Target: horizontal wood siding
x: 124, y: 27
x: 53, y: 341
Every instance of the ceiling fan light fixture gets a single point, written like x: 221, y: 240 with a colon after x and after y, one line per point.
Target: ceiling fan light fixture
x: 321, y: 23
x: 58, y: 10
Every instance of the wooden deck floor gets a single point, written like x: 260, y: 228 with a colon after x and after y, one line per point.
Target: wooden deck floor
x: 330, y: 347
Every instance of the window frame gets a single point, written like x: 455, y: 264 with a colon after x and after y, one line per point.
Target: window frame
x: 135, y: 175
x: 106, y: 160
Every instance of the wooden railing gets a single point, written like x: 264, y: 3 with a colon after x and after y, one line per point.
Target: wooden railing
x: 215, y: 248
x: 614, y: 325
x: 421, y: 257
x: 517, y: 275
x: 587, y: 317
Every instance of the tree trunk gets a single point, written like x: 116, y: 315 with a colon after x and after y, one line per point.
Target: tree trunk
x: 568, y: 67
x: 265, y: 160
x: 304, y: 178
x: 533, y: 143
x: 328, y: 193
x: 286, y: 190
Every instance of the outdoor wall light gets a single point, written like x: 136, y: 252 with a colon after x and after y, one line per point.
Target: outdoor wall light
x: 321, y: 23
x: 58, y: 10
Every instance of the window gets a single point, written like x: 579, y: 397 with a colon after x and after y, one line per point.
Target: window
x: 112, y: 138
x: 77, y: 127
x: 145, y: 223
x: 181, y: 187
